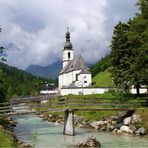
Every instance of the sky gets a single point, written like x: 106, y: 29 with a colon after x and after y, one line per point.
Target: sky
x: 33, y: 31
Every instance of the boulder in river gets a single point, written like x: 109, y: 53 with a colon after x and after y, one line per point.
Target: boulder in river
x: 89, y: 142
x: 141, y: 131
x: 126, y: 129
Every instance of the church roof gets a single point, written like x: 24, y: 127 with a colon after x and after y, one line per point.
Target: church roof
x: 76, y: 64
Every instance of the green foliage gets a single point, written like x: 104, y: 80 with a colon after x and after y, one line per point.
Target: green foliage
x: 34, y: 137
x: 102, y: 79
x: 144, y: 119
x: 120, y: 56
x: 95, y: 115
x: 129, y: 55
x: 2, y: 96
x: 20, y: 83
x: 101, y: 66
x: 6, y: 138
x: 2, y: 58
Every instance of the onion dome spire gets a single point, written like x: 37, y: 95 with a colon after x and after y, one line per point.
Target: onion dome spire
x: 68, y: 43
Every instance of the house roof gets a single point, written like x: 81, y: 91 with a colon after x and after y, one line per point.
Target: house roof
x: 76, y: 64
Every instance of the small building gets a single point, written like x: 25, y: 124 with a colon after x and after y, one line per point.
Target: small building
x: 48, y: 89
x: 75, y: 72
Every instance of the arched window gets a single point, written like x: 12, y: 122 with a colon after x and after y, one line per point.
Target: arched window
x: 68, y: 55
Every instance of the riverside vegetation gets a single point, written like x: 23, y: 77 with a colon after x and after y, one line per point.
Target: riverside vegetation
x: 7, y: 139
x: 101, y: 120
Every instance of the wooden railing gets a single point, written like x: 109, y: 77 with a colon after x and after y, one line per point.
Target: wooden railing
x: 33, y: 102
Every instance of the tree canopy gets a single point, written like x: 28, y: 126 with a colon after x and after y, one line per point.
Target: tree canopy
x: 20, y: 83
x: 2, y: 96
x: 129, y: 55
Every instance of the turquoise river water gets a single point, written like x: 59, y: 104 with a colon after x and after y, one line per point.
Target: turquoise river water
x: 48, y: 134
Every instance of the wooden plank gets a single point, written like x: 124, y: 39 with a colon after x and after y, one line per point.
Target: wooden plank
x: 6, y: 110
x: 5, y: 103
x: 5, y: 107
x: 103, y: 109
x: 21, y: 113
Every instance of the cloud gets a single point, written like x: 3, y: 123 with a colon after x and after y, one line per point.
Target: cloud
x: 38, y: 28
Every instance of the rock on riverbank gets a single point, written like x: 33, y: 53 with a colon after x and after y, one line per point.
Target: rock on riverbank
x: 51, y: 118
x: 125, y: 122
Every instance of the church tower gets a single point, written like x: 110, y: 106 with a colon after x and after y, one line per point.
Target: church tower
x: 67, y: 51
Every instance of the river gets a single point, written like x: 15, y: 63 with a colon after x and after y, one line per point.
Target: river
x: 48, y: 134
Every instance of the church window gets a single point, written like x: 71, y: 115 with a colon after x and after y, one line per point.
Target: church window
x: 76, y: 77
x: 68, y: 55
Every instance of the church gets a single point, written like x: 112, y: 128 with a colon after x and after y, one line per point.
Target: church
x: 75, y: 72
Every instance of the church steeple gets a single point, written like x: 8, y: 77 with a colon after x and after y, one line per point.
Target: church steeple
x: 68, y: 50
x: 68, y: 43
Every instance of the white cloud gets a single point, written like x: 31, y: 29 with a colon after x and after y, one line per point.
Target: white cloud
x: 38, y: 28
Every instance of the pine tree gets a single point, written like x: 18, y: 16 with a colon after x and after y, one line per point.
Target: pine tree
x: 2, y: 96
x: 138, y: 40
x: 120, y: 55
x: 129, y: 55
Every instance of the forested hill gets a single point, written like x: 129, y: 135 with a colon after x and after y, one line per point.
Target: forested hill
x: 101, y: 65
x: 17, y: 82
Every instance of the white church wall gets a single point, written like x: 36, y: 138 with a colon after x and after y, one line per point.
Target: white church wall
x: 60, y: 81
x: 84, y: 91
x: 65, y: 79
x: 66, y: 59
x: 85, y: 80
x: 142, y: 91
x: 75, y: 73
x: 68, y: 78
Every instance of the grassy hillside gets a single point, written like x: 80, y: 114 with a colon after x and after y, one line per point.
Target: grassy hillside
x: 101, y: 65
x: 102, y: 79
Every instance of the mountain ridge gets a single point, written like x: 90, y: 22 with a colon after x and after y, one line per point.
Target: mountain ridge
x: 49, y: 72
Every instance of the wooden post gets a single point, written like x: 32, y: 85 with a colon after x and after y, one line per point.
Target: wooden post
x: 69, y: 123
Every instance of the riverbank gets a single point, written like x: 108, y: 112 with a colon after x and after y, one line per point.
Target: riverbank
x: 49, y: 134
x: 7, y: 137
x: 128, y: 122
x: 111, y: 120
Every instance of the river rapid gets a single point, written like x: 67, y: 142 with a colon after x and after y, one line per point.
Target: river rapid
x: 33, y: 130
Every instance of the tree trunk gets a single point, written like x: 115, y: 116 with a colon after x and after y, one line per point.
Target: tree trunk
x: 138, y: 89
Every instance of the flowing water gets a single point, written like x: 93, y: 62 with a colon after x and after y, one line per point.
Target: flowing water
x: 33, y: 130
